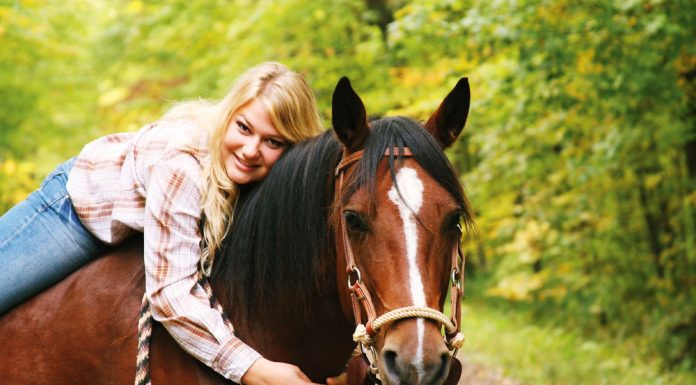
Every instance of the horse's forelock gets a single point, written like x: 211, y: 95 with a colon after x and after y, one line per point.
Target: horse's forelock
x: 400, y: 132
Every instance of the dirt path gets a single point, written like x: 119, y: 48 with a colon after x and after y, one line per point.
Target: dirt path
x: 477, y: 374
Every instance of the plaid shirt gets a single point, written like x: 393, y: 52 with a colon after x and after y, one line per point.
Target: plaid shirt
x: 149, y: 181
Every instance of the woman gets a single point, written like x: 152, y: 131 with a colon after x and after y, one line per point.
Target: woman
x: 164, y: 180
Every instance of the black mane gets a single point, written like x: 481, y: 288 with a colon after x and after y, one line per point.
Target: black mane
x: 278, y: 245
x: 278, y: 259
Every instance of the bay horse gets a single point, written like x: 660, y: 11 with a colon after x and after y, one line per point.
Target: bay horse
x: 350, y: 226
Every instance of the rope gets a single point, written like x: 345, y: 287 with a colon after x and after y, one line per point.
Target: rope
x: 214, y: 303
x: 361, y: 335
x: 413, y: 312
x: 142, y: 369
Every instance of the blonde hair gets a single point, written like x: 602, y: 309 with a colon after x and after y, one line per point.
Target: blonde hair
x: 292, y: 108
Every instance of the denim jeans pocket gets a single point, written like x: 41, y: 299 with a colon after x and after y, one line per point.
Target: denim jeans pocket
x: 53, y: 188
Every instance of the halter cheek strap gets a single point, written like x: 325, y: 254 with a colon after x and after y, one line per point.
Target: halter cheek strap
x: 360, y: 296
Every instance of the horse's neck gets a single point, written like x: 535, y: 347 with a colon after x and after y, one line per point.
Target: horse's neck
x: 276, y: 338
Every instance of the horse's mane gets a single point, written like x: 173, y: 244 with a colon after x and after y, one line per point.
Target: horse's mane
x: 278, y: 258
x: 278, y: 246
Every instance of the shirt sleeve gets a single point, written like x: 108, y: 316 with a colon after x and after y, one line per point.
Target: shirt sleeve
x: 172, y: 254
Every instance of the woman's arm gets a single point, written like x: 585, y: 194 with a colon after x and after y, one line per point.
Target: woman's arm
x: 172, y: 254
x: 172, y: 211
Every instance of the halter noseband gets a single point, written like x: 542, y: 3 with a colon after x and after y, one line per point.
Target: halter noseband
x: 360, y: 296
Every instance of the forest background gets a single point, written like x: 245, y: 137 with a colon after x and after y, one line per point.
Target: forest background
x: 579, y: 154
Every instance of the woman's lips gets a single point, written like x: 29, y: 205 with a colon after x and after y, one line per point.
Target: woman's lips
x: 244, y: 166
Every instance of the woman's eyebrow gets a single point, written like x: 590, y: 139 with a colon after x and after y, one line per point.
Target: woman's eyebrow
x: 246, y: 121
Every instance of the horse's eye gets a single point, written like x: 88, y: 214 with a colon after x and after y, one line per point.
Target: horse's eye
x: 453, y: 221
x: 355, y: 221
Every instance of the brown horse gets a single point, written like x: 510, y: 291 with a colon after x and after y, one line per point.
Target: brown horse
x: 379, y: 209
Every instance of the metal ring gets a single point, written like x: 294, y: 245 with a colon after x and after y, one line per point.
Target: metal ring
x: 456, y: 278
x: 359, y: 277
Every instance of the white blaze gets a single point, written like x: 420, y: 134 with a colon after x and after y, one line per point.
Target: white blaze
x: 409, y: 203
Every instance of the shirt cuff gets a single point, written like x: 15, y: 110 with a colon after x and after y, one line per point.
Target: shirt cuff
x: 234, y: 359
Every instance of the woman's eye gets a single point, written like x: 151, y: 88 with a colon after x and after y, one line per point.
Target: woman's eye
x: 274, y: 143
x: 243, y: 127
x: 355, y: 221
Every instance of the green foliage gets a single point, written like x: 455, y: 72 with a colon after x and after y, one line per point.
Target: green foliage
x: 578, y: 137
x: 579, y: 150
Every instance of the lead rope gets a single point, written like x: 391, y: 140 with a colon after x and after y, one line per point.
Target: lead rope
x: 142, y: 365
x: 145, y: 322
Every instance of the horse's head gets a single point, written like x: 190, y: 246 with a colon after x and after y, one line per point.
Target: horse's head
x: 399, y: 207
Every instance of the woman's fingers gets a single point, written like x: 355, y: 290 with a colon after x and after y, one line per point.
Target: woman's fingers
x: 338, y: 380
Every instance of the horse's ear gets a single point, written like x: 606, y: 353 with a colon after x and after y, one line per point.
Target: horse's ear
x: 349, y: 118
x: 448, y: 121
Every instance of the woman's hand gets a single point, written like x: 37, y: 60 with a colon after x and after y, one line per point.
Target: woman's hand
x: 339, y: 380
x: 265, y: 372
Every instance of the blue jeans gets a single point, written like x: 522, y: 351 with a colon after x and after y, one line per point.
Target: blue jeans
x: 42, y: 241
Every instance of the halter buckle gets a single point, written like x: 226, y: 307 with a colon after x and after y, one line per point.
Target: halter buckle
x: 456, y: 278
x: 358, y: 278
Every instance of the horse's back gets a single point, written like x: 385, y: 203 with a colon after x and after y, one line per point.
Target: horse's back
x: 84, y: 330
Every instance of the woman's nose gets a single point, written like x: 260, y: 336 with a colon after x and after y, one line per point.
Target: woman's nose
x: 251, y: 148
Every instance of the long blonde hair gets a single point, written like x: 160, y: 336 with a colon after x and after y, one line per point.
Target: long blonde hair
x: 292, y: 107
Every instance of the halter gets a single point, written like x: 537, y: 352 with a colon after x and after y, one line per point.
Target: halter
x: 362, y: 301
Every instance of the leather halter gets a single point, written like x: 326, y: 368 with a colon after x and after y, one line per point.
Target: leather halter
x: 362, y: 301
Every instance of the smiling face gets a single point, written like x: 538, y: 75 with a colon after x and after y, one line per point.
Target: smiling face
x: 251, y: 145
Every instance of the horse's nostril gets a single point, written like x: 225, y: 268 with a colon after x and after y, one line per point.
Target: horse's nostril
x: 443, y: 371
x: 389, y: 358
x: 433, y: 372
